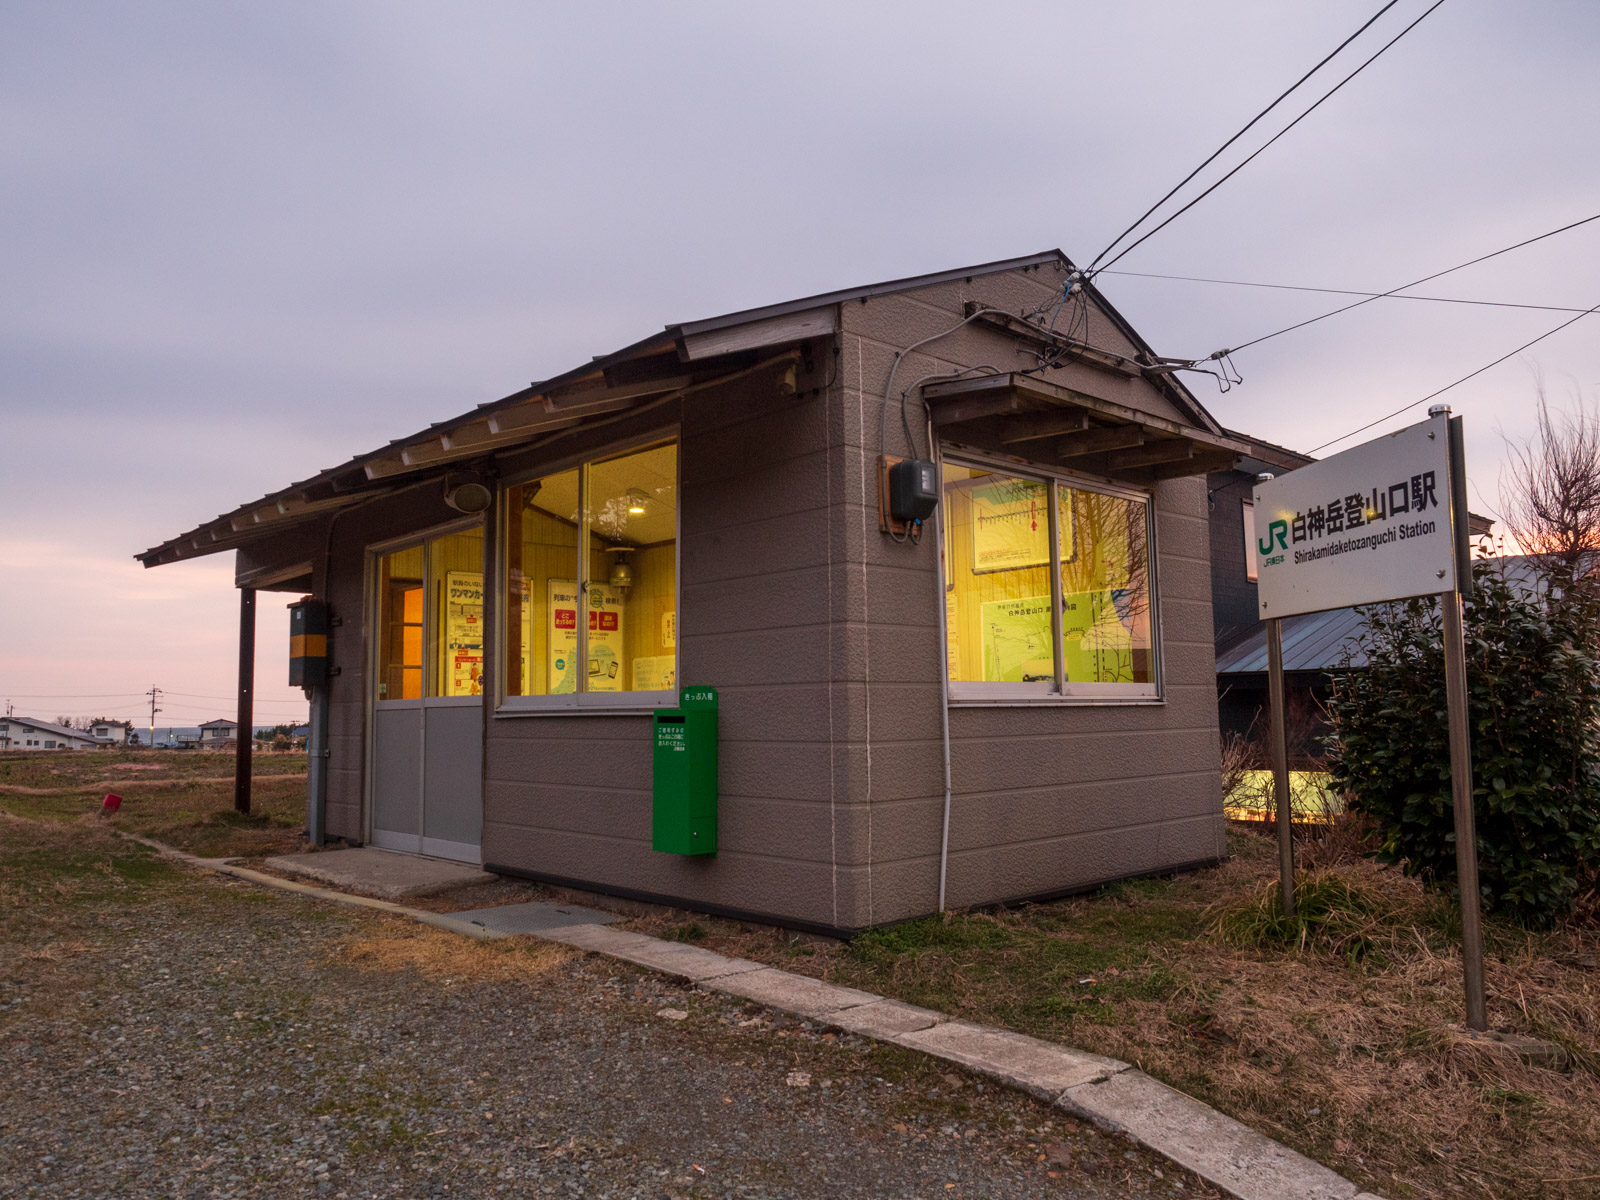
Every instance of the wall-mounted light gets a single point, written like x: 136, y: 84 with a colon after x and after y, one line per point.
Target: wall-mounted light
x: 638, y: 503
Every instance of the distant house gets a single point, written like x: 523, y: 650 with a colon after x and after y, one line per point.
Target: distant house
x: 1314, y: 644
x: 218, y: 734
x: 112, y: 733
x: 26, y: 733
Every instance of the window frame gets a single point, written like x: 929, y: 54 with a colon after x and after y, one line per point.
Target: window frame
x: 978, y: 694
x: 372, y: 651
x: 1247, y: 523
x: 581, y: 703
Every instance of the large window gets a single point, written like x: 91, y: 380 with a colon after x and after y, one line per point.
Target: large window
x: 1047, y: 589
x: 599, y: 626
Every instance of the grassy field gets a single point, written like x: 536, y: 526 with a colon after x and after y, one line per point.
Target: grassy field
x: 1346, y: 1047
x: 181, y: 797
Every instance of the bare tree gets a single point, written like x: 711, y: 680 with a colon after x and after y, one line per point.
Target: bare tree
x: 1550, y: 488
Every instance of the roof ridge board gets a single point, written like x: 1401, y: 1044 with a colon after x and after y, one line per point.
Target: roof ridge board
x: 889, y: 287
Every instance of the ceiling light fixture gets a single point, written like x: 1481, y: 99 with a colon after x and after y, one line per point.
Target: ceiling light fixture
x: 638, y: 502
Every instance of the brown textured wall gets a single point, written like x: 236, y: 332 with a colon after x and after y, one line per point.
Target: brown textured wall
x: 569, y: 796
x: 1044, y: 798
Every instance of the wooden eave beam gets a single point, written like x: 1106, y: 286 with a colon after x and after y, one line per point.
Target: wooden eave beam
x: 1098, y: 441
x: 1041, y: 425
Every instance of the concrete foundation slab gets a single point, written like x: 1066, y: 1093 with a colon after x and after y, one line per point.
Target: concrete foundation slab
x: 382, y: 873
x: 1045, y: 1069
x: 885, y: 1019
x: 534, y: 917
x: 1194, y: 1135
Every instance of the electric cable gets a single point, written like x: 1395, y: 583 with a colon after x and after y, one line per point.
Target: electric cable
x: 1248, y: 126
x: 1458, y: 382
x: 1325, y: 97
x: 1392, y: 295
x: 1425, y: 279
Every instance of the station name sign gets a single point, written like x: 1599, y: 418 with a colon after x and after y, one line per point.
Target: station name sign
x: 1372, y: 524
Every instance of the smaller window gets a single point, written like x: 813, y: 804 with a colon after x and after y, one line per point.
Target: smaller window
x: 1249, y: 540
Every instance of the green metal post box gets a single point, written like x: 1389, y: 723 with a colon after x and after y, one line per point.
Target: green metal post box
x: 685, y: 775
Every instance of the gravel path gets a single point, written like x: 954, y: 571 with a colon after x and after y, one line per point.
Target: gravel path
x: 176, y: 1035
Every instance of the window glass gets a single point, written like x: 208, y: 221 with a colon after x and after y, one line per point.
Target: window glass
x: 1105, y: 588
x: 400, y: 593
x: 1003, y: 536
x: 542, y: 519
x: 997, y: 576
x: 604, y: 621
x: 455, y: 632
x: 633, y: 572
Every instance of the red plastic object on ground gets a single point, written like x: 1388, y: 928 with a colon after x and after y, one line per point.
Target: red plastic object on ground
x: 112, y: 803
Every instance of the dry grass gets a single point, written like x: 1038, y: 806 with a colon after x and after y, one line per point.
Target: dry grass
x: 449, y: 957
x: 184, y: 798
x: 1355, y: 1058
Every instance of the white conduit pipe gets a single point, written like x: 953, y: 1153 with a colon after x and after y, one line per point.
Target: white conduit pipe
x: 944, y: 665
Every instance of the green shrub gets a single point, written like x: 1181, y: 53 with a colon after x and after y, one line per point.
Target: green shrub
x: 1533, y: 701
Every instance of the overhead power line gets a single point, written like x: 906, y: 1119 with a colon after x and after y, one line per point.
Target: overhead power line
x: 1471, y: 375
x: 1252, y: 157
x: 1418, y: 283
x: 1248, y: 126
x: 1290, y: 287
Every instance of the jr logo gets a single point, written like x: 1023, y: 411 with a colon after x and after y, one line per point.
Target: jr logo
x: 1278, y: 530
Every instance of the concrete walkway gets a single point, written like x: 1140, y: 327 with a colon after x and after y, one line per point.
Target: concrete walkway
x: 1114, y: 1095
x: 386, y: 874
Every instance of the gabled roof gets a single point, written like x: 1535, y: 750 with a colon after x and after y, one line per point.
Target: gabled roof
x: 48, y: 727
x: 219, y: 723
x: 681, y: 358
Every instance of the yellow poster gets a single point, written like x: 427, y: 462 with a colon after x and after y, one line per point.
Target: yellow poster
x: 1096, y: 638
x: 1010, y: 525
x: 463, y: 633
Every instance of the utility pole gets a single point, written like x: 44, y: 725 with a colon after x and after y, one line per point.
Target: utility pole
x: 154, y: 693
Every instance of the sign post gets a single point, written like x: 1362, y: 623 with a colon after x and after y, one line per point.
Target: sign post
x: 1386, y: 520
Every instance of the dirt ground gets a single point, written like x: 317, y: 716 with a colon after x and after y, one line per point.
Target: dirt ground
x: 1348, y: 1049
x: 169, y: 1033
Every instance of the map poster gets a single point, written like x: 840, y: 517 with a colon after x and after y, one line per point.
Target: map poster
x: 1096, y: 638
x: 1016, y: 640
x: 463, y: 633
x: 604, y: 669
x: 1010, y: 525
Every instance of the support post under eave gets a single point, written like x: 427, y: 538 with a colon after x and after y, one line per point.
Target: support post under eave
x: 244, y: 737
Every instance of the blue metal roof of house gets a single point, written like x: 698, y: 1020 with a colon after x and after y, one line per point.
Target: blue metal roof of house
x: 1320, y: 641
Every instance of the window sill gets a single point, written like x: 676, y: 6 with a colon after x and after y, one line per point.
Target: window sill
x: 1052, y: 699
x: 643, y: 707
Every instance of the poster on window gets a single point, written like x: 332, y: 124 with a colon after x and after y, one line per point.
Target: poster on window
x: 1097, y: 636
x: 1016, y: 640
x: 603, y: 670
x: 463, y: 633
x: 1010, y: 525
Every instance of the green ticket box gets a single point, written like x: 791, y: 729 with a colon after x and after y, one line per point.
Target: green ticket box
x: 685, y: 775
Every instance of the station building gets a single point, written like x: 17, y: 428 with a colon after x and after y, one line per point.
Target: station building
x: 1013, y: 698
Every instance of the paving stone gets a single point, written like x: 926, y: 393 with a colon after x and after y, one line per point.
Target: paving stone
x: 384, y: 873
x: 534, y: 917
x: 793, y: 993
x: 1043, y: 1068
x: 885, y: 1019
x: 674, y: 958
x: 1196, y: 1136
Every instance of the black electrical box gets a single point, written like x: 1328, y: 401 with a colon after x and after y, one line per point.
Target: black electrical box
x: 308, y: 643
x: 913, y: 489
